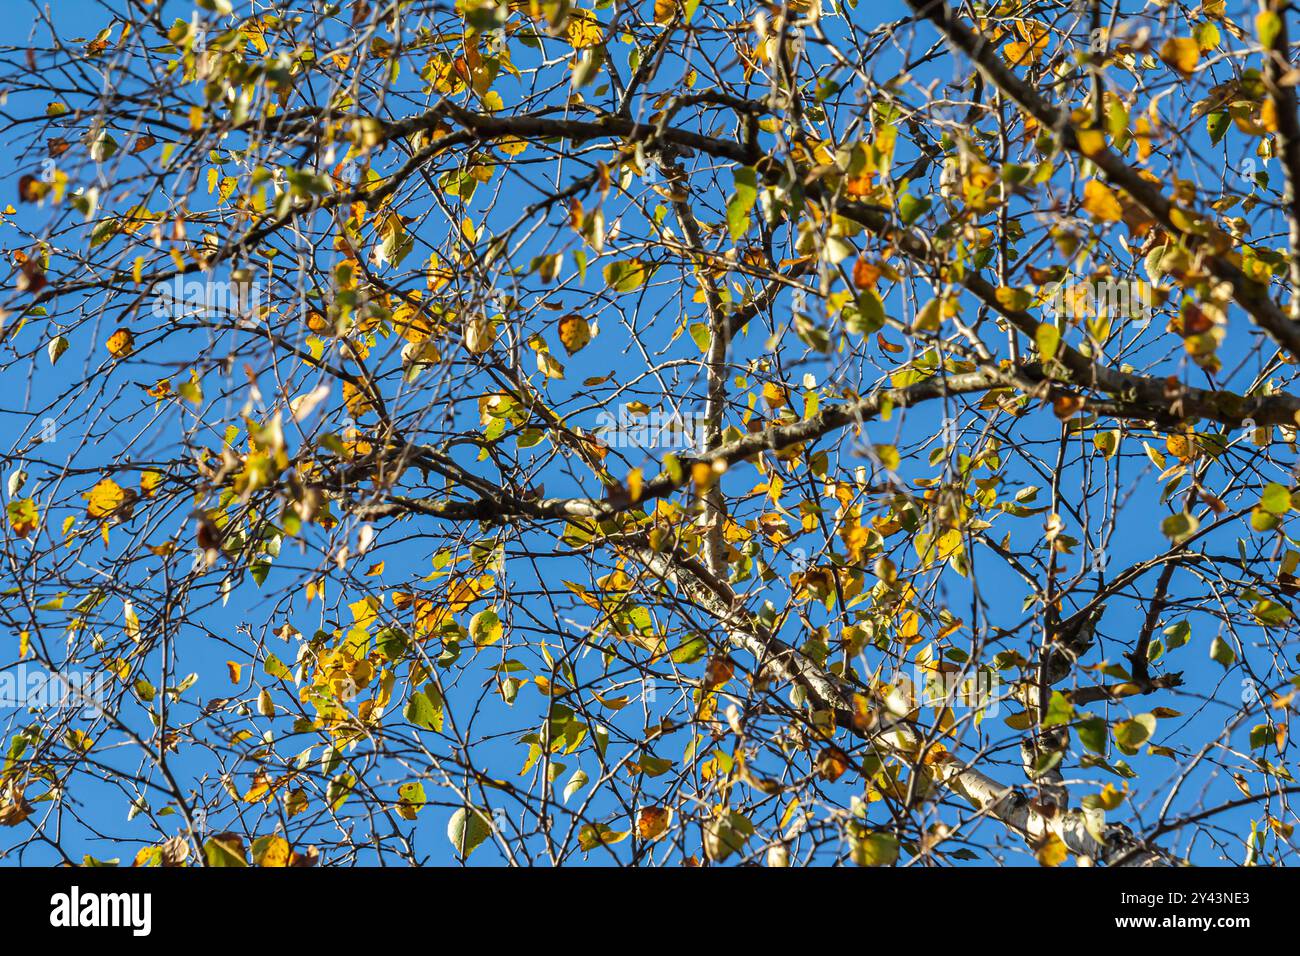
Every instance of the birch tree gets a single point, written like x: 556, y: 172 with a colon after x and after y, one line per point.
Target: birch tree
x: 656, y: 433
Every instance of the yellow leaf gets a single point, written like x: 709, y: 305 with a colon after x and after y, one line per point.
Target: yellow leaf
x: 1051, y: 851
x: 1101, y: 203
x: 575, y: 333
x: 192, y: 391
x: 260, y: 788
x: 121, y: 343
x: 1012, y: 299
x: 1091, y: 141
x: 1181, y: 53
x: 1268, y: 114
x: 1110, y: 798
x: 1036, y: 37
x: 774, y: 394
x: 512, y: 145
x: 23, y: 517
x: 1181, y: 447
x: 1048, y: 339
x: 480, y: 333
x: 549, y: 366
x: 104, y: 499
x: 357, y: 401
x: 275, y: 853
x: 652, y: 822
x: 584, y: 30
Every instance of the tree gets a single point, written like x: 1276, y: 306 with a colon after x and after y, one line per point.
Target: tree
x: 664, y: 432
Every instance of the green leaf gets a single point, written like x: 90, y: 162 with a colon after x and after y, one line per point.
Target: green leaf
x: 467, y: 829
x: 1106, y: 443
x: 627, y: 275
x: 485, y: 628
x: 874, y: 849
x: 866, y: 314
x: 339, y: 789
x: 1276, y: 499
x: 910, y: 208
x: 1092, y: 734
x: 1176, y: 635
x: 690, y: 650
x: 392, y: 642
x: 1132, y: 734
x: 701, y: 336
x: 1221, y: 651
x: 1271, y: 613
x: 1180, y: 527
x: 653, y: 766
x: 725, y: 834
x: 224, y: 850
x: 413, y: 800
x: 275, y: 668
x: 1047, y: 337
x: 425, y: 709
x: 741, y: 202
x: 1059, y: 710
x: 1217, y: 124
x: 576, y: 783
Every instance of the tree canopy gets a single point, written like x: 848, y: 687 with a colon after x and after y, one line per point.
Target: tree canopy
x: 658, y: 432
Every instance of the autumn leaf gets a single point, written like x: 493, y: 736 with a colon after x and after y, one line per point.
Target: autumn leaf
x: 549, y: 365
x: 412, y: 800
x: 225, y: 850
x: 23, y: 516
x: 626, y: 276
x: 480, y: 333
x: 584, y: 30
x: 485, y: 628
x: 652, y: 822
x: 1051, y: 851
x: 665, y: 10
x: 272, y: 851
x: 1181, y: 53
x: 831, y: 764
x: 103, y: 500
x: 1027, y: 50
x: 575, y: 333
x: 121, y: 343
x: 1100, y: 202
